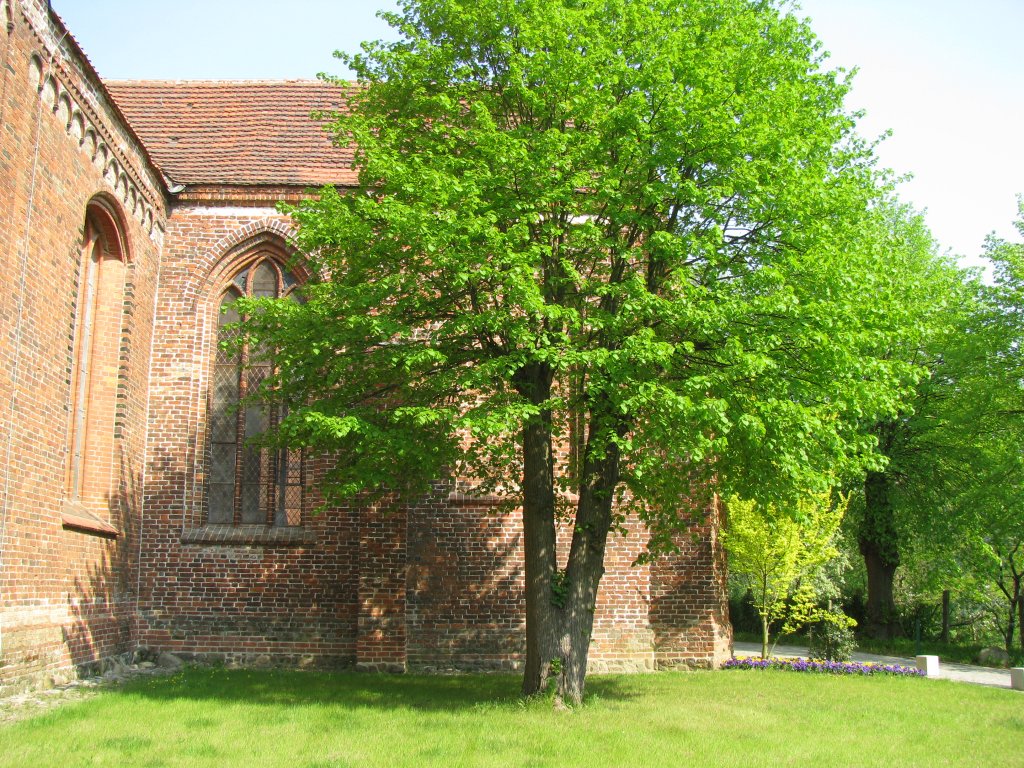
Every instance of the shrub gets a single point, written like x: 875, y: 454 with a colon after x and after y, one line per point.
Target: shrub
x: 831, y: 639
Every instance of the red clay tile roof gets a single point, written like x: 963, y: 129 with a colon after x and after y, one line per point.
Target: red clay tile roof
x: 236, y: 132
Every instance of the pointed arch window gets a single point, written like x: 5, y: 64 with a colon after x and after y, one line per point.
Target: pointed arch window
x: 97, y: 360
x: 249, y: 484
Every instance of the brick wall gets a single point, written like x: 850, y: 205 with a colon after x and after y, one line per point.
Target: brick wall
x: 66, y: 595
x: 245, y: 594
x: 381, y: 633
x: 435, y: 585
x: 465, y: 606
x: 689, y: 599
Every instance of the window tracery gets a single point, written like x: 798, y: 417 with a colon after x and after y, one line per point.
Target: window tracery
x: 249, y: 484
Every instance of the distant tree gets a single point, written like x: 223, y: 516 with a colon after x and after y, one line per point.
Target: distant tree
x: 986, y: 519
x: 956, y: 469
x: 1003, y: 531
x: 924, y: 458
x: 633, y: 228
x: 989, y: 546
x: 781, y: 556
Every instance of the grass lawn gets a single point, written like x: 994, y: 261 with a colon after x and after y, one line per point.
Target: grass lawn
x: 221, y: 718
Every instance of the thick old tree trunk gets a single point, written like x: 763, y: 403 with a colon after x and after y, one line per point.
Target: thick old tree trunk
x: 534, y: 383
x: 879, y: 546
x: 586, y: 567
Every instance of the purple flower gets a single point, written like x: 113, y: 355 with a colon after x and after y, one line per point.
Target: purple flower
x: 827, y: 667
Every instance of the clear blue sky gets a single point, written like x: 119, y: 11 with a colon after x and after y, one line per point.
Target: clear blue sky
x: 946, y: 76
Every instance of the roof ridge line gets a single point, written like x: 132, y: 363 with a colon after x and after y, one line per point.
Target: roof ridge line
x: 258, y: 81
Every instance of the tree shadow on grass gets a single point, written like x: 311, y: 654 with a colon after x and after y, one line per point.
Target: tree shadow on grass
x: 355, y: 689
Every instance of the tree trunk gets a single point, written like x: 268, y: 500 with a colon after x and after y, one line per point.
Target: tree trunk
x: 1011, y: 628
x: 765, y: 623
x: 586, y: 565
x: 1018, y: 591
x: 764, y: 638
x: 944, y: 637
x: 1020, y: 619
x: 534, y: 383
x: 1016, y: 623
x: 879, y: 546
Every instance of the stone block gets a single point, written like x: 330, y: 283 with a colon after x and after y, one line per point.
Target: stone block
x: 929, y: 665
x: 993, y: 656
x: 1017, y: 678
x: 169, y: 661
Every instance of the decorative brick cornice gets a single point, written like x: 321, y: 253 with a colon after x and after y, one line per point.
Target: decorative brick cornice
x: 60, y: 85
x: 244, y: 195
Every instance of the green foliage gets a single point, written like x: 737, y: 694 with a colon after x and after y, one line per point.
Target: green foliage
x: 646, y: 229
x: 987, y: 518
x: 558, y: 588
x: 831, y: 638
x: 780, y: 556
x: 743, y: 615
x: 577, y: 187
x: 928, y: 447
x: 956, y: 464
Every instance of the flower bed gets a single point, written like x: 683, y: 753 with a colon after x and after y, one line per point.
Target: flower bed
x: 828, y: 667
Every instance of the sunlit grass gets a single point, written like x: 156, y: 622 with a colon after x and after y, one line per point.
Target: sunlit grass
x: 735, y: 718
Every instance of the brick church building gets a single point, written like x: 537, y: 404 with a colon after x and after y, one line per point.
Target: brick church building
x: 132, y: 510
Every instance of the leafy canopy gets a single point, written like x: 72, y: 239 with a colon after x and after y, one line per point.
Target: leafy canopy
x: 660, y: 204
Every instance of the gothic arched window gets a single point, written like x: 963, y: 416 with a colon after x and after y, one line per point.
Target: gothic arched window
x: 97, y: 358
x: 249, y: 484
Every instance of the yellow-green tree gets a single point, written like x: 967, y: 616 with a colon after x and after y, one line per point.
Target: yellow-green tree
x: 780, y: 555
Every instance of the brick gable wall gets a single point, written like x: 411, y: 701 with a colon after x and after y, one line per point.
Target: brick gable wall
x: 66, y: 595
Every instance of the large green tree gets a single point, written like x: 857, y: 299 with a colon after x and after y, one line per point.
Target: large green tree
x: 1001, y: 533
x: 626, y: 227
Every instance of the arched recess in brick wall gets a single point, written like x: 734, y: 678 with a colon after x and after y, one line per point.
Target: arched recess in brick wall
x: 234, y: 251
x: 99, y: 323
x: 247, y: 484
